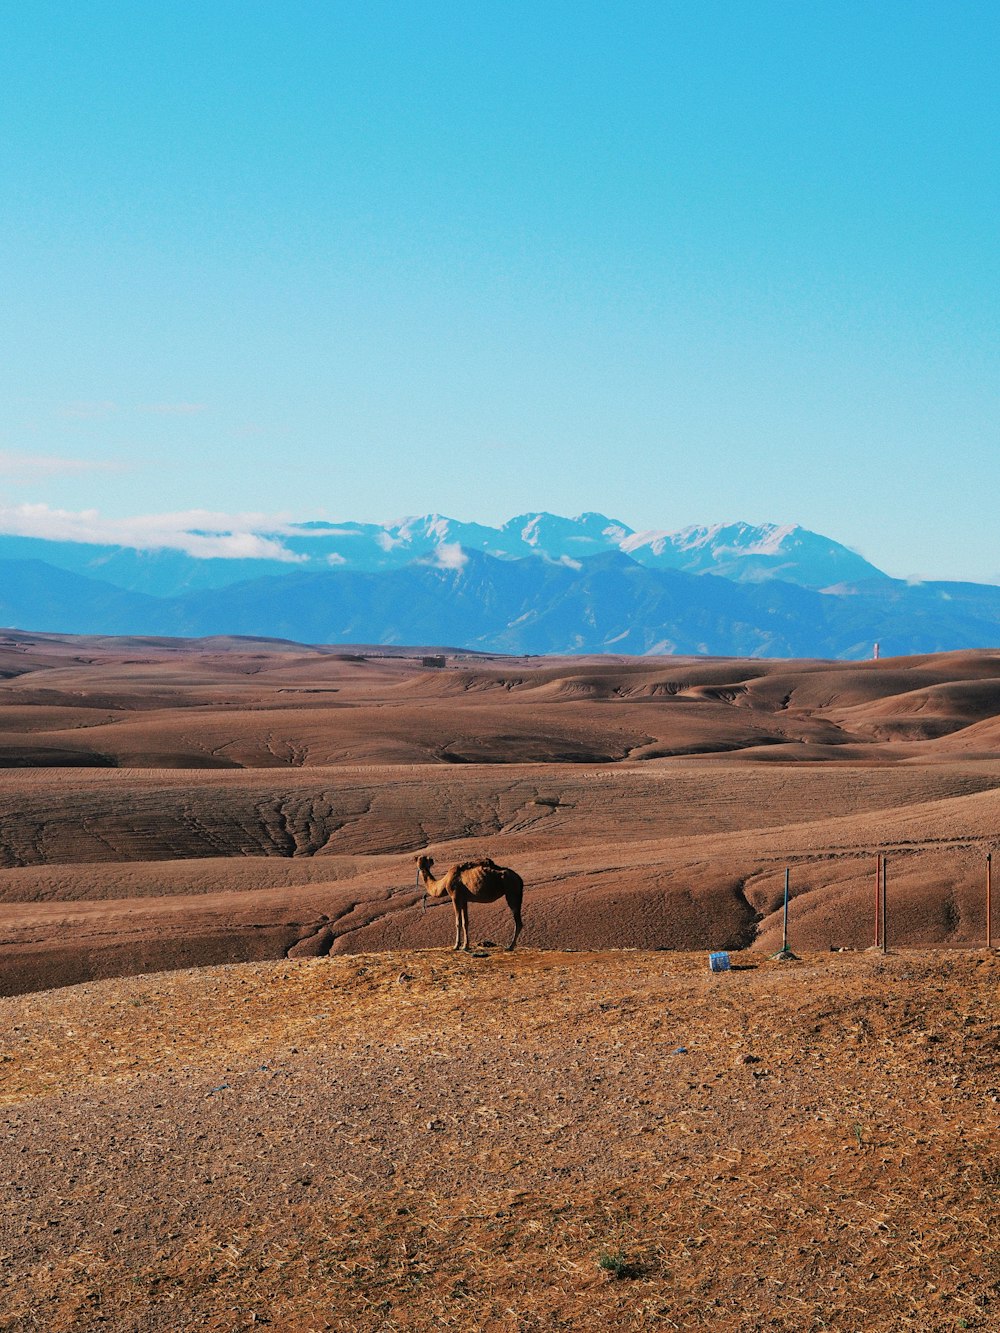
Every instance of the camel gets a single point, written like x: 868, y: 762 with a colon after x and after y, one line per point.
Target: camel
x: 474, y: 882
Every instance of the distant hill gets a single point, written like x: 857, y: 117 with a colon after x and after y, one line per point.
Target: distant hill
x: 40, y: 596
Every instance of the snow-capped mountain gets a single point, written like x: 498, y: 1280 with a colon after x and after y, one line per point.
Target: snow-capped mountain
x: 740, y: 552
x: 750, y: 554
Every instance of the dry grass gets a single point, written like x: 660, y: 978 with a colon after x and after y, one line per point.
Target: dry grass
x: 547, y: 1141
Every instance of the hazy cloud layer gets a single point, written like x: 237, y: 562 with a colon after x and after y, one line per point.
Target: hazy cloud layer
x: 89, y: 410
x: 197, y: 532
x: 49, y: 465
x: 173, y: 409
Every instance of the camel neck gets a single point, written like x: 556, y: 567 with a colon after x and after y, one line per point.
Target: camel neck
x: 431, y: 884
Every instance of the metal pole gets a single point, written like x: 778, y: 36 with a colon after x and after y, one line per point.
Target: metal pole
x: 885, y: 924
x: 784, y: 954
x: 878, y: 890
x: 989, y: 900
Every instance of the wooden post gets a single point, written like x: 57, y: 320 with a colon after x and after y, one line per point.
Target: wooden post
x: 885, y: 924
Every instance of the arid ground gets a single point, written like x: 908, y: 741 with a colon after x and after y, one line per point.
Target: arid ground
x: 355, y: 1129
x: 544, y: 1140
x: 168, y: 803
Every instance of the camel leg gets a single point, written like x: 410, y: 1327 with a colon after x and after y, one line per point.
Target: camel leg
x: 465, y: 925
x: 458, y: 925
x: 517, y: 928
x: 514, y: 903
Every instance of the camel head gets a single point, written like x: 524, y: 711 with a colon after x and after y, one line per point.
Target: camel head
x: 424, y: 862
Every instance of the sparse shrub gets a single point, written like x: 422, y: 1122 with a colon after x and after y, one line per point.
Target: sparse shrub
x: 615, y: 1264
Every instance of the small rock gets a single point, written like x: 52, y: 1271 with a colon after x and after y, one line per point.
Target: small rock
x: 435, y: 1125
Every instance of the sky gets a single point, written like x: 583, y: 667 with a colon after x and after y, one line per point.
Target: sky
x: 678, y: 263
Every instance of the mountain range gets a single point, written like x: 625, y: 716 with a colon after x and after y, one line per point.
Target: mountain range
x: 538, y: 584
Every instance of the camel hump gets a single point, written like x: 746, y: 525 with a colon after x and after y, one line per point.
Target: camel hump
x: 489, y: 878
x: 483, y: 863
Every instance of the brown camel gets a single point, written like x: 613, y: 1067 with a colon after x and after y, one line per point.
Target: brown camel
x: 474, y: 882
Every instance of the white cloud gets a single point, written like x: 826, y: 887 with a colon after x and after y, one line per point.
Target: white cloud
x: 197, y: 532
x: 48, y: 465
x: 449, y: 555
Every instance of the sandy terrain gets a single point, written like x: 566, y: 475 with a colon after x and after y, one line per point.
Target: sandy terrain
x: 169, y: 803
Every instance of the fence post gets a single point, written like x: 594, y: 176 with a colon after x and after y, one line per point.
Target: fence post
x: 784, y: 954
x: 989, y: 900
x: 878, y: 891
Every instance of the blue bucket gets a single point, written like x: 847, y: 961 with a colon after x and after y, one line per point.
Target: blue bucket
x: 718, y: 962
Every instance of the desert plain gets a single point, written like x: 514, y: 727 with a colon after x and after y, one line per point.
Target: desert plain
x: 247, y: 1083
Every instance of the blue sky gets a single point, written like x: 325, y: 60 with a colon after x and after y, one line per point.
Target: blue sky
x: 679, y: 262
